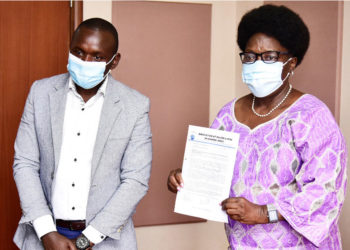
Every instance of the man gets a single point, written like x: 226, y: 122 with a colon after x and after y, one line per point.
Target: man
x: 83, y: 151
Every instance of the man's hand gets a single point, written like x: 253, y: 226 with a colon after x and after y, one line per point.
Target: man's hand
x: 244, y: 211
x: 56, y: 241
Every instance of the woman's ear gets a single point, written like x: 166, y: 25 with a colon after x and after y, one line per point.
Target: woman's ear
x: 293, y: 64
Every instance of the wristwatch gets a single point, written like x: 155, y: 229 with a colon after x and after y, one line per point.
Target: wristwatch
x: 82, y: 242
x: 272, y: 213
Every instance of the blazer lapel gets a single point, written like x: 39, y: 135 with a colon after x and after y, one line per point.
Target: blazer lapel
x: 110, y: 111
x: 57, y: 110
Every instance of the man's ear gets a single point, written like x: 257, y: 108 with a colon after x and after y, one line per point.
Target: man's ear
x: 115, y: 61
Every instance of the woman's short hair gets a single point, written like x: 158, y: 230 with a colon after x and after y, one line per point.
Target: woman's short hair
x: 278, y: 22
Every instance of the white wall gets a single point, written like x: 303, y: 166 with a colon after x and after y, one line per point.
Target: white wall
x: 225, y: 73
x: 101, y: 8
x: 345, y: 118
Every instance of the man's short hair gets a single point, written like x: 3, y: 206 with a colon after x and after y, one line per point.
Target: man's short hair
x: 100, y: 25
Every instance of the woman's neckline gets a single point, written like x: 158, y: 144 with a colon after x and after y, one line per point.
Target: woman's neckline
x: 267, y: 122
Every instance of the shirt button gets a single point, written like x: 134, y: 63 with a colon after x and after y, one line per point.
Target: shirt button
x: 78, y: 134
x: 73, y: 208
x: 73, y: 185
x: 75, y: 159
x: 82, y: 109
x: 102, y: 237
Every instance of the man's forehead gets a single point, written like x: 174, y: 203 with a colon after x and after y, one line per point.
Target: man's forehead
x: 83, y: 32
x: 96, y: 36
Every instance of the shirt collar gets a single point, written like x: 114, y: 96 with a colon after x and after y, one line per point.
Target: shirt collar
x: 101, y: 90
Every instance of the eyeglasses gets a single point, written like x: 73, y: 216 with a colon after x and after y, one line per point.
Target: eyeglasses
x: 266, y: 57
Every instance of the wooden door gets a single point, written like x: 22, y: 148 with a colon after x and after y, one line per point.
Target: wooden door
x: 34, y: 40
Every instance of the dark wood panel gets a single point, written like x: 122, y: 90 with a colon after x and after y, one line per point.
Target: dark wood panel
x: 165, y: 50
x: 34, y: 44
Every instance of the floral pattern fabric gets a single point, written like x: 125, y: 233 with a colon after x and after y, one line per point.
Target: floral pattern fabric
x: 296, y: 161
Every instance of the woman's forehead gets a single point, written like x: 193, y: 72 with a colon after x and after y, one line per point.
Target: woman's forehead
x: 261, y: 42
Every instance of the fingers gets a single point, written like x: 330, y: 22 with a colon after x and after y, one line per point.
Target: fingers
x: 178, y: 176
x: 71, y: 246
x: 172, y: 185
x: 236, y: 213
x: 234, y: 208
x: 236, y: 217
x: 231, y: 201
x: 175, y: 181
x: 244, y: 211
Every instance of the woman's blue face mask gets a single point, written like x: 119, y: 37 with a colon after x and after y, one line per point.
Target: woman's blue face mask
x: 262, y: 78
x: 87, y: 74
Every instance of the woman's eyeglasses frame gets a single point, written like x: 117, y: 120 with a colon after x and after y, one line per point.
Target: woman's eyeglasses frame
x: 264, y: 56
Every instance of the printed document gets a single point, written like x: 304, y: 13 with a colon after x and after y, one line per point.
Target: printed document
x: 207, y: 171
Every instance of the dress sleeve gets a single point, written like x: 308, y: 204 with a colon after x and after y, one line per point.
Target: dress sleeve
x: 315, y: 206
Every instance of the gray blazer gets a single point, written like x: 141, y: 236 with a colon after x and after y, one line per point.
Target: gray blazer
x: 121, y: 162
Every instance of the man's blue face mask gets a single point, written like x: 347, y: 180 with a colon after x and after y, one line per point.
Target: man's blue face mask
x: 87, y: 74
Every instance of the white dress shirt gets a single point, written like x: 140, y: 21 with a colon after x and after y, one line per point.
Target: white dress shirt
x: 71, y: 184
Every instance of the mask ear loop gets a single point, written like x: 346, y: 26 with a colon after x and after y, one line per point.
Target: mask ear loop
x: 111, y: 59
x: 290, y: 58
x: 291, y: 73
x: 109, y: 71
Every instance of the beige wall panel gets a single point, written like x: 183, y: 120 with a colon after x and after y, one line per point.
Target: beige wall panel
x: 165, y: 50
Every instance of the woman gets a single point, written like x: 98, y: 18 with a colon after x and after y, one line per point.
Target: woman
x: 289, y: 177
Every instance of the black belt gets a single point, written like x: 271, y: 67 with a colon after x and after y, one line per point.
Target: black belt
x: 74, y: 225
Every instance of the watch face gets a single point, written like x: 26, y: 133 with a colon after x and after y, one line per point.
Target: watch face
x: 82, y: 242
x: 273, y: 216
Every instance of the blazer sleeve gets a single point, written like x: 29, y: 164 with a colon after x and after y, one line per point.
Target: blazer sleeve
x: 135, y: 173
x: 26, y: 166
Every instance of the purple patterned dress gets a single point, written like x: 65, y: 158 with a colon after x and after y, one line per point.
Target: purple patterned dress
x: 297, y: 161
